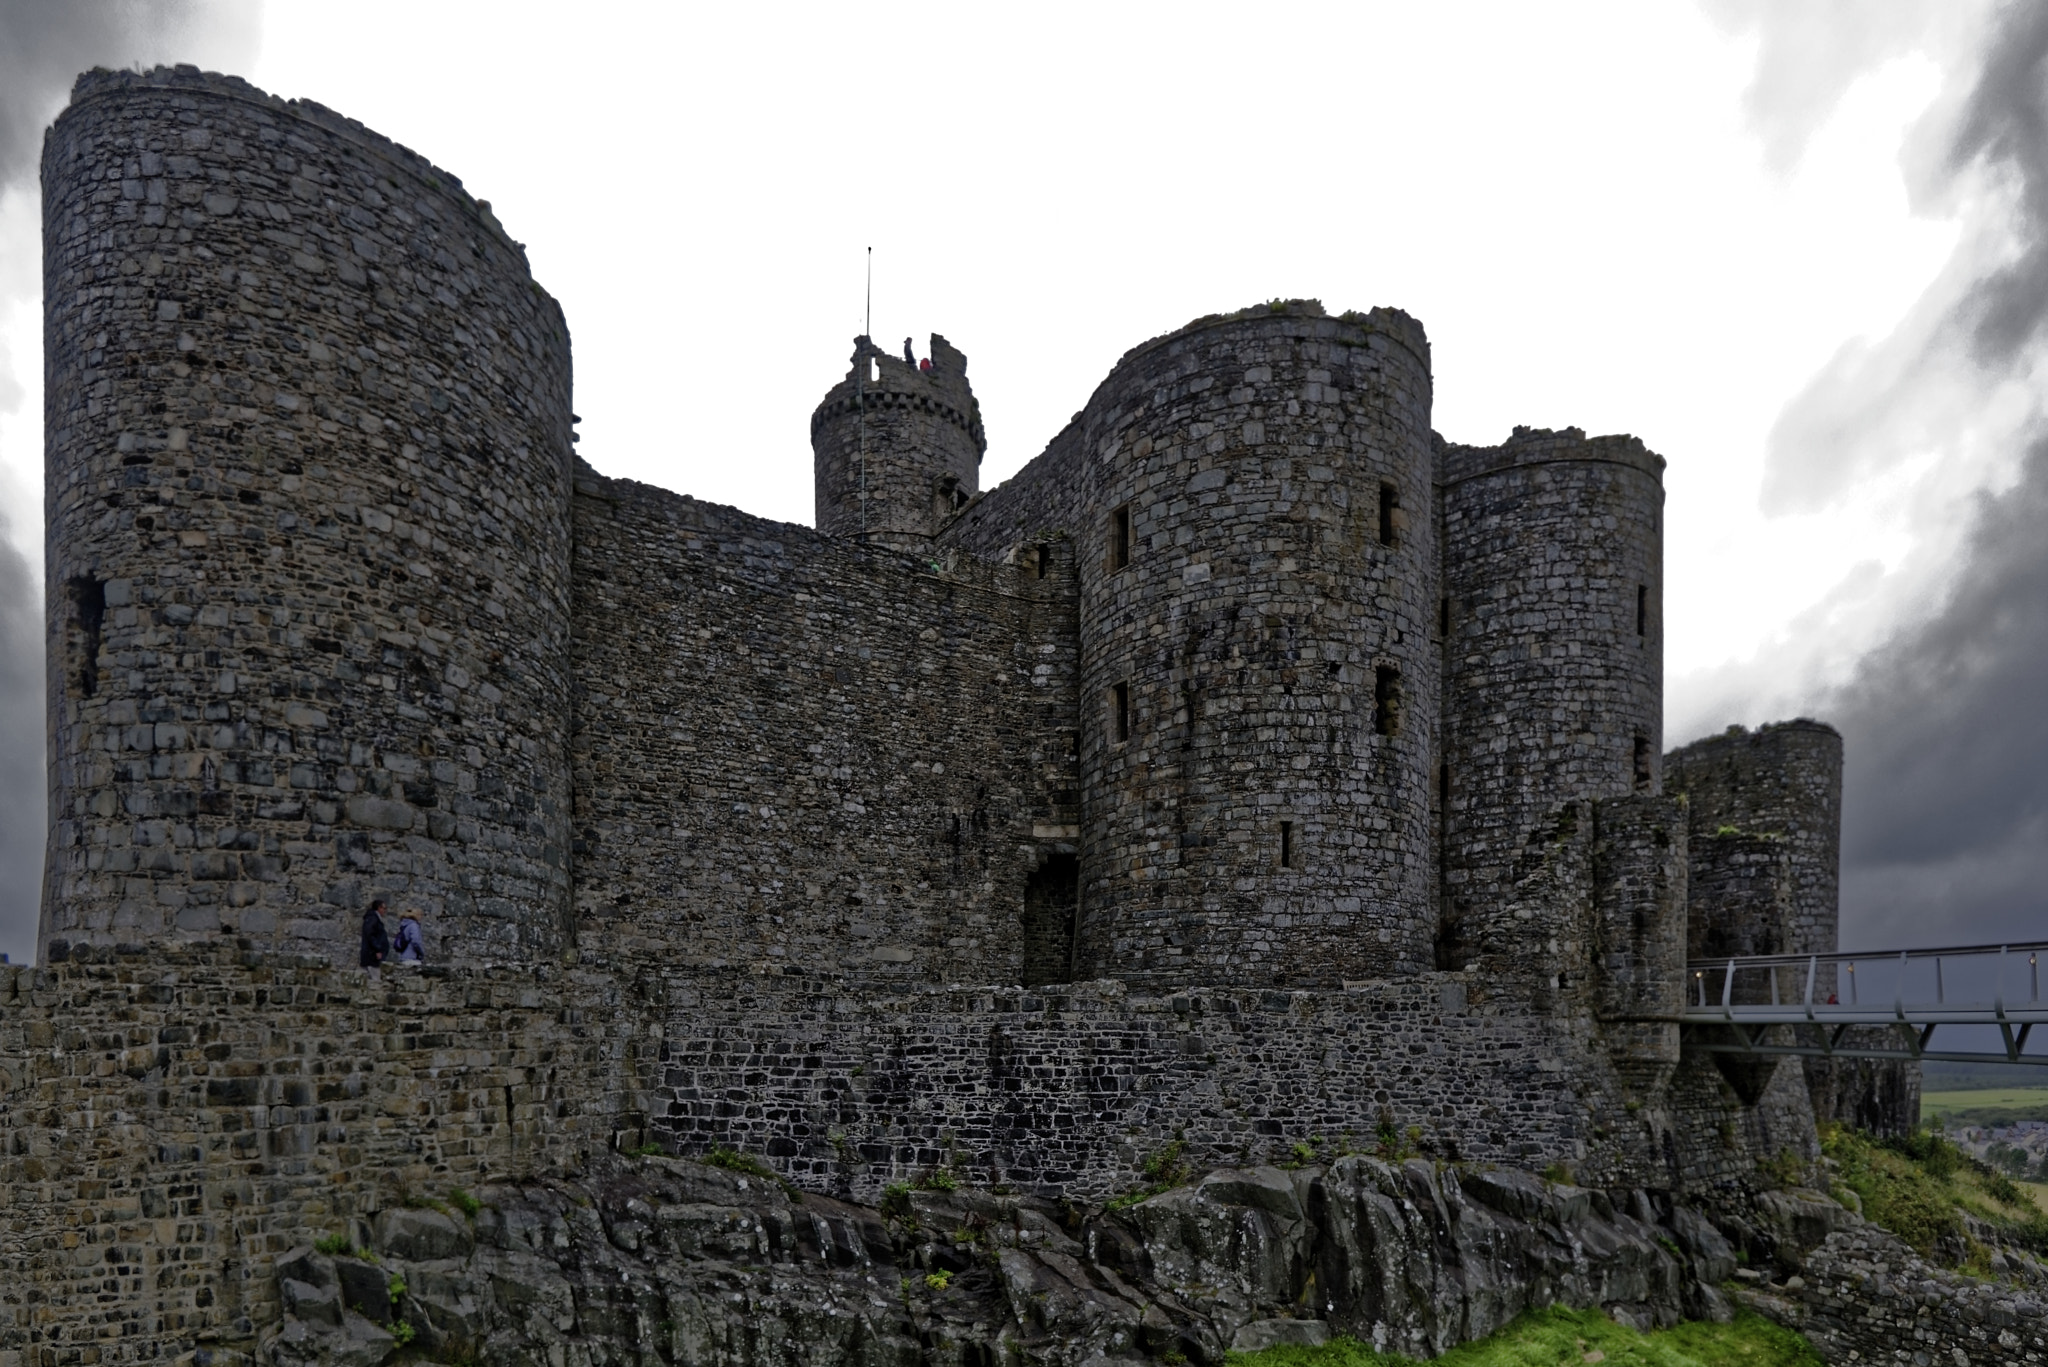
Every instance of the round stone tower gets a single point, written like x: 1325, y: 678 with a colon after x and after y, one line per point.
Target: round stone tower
x: 1259, y: 683
x: 1553, y: 671
x: 307, y: 460
x: 897, y: 450
x: 1782, y: 781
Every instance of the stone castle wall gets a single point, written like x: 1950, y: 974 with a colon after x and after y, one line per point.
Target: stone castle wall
x: 172, y: 1120
x: 308, y: 440
x: 1066, y: 1090
x: 791, y: 751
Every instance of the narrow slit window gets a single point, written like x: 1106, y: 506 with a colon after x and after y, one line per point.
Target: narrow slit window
x: 1389, y: 502
x: 1643, y: 774
x: 1443, y: 617
x: 1287, y: 844
x: 1120, y: 538
x: 1044, y: 558
x: 1443, y: 786
x: 88, y: 613
x: 1386, y: 700
x: 1120, y: 705
x: 1642, y: 608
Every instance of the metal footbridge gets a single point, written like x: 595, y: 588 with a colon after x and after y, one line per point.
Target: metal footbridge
x: 1870, y: 1005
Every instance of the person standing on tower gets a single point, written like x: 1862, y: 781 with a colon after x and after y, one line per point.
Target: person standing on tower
x: 909, y: 355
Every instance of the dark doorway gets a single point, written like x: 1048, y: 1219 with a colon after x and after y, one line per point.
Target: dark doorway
x: 1050, y: 897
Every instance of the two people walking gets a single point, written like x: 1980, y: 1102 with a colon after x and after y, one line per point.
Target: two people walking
x: 381, y: 947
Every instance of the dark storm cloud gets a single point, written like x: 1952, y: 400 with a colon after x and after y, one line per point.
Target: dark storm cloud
x: 44, y: 44
x: 1946, y: 731
x: 1945, y: 805
x: 2005, y: 123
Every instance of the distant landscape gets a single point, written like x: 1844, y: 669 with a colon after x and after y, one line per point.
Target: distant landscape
x: 1990, y: 1095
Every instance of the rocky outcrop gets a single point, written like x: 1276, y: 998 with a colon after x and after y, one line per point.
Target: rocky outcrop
x: 656, y: 1259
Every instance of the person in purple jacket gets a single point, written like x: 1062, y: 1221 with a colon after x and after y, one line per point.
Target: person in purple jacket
x: 409, y: 948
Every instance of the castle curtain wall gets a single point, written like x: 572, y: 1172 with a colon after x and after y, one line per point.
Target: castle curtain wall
x: 794, y: 755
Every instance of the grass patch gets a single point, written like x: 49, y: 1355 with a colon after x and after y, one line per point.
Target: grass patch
x: 732, y: 1160
x: 1163, y: 1170
x: 1920, y: 1188
x: 1572, y: 1338
x: 1987, y: 1106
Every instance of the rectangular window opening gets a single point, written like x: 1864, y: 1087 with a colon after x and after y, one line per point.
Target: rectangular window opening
x: 1389, y: 501
x: 1443, y: 617
x: 1443, y: 786
x: 88, y: 614
x: 1120, y: 538
x: 1044, y: 558
x: 1643, y: 774
x: 1121, y: 702
x: 1287, y: 844
x: 1386, y: 700
x: 1642, y: 608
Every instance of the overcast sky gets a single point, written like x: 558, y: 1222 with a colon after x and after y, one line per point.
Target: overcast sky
x: 1795, y: 245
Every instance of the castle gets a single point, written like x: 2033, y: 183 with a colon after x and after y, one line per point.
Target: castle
x: 1254, y: 766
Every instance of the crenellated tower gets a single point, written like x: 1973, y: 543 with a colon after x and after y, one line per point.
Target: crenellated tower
x: 897, y: 447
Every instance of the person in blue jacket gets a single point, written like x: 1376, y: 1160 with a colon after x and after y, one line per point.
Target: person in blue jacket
x: 409, y: 948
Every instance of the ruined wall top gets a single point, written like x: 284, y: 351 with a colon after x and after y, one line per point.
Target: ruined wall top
x: 101, y: 82
x: 1538, y: 445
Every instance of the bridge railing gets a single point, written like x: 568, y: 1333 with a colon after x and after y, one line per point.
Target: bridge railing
x: 1913, y: 990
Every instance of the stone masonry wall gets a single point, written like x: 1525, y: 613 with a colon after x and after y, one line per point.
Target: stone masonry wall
x: 172, y: 1121
x: 1049, y: 498
x: 308, y: 440
x: 1721, y: 1131
x: 793, y: 752
x: 1553, y: 663
x: 1257, y: 572
x: 1865, y: 1297
x: 1638, y: 943
x: 1066, y: 1090
x: 1783, y: 780
x: 1741, y: 903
